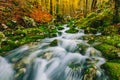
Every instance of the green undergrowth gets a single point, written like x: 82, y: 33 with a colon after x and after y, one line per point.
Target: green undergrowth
x: 99, y: 21
x: 112, y: 69
x: 13, y: 38
x: 110, y: 49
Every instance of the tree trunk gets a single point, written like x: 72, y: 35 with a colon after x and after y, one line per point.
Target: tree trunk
x: 93, y: 6
x: 57, y: 7
x: 116, y: 11
x: 85, y: 8
x: 51, y: 11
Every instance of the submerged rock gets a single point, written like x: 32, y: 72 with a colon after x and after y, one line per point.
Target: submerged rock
x: 90, y: 74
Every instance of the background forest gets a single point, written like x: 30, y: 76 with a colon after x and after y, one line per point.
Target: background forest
x: 28, y: 21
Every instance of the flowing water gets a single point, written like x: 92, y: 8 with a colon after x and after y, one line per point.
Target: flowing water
x: 72, y: 58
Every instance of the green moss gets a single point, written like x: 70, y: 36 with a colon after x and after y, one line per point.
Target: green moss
x: 8, y: 33
x: 113, y: 40
x: 2, y: 36
x: 112, y: 69
x: 108, y: 51
x: 19, y: 32
x: 54, y: 43
x: 52, y: 35
x: 74, y: 66
x: 11, y: 24
x: 8, y: 45
x: 72, y: 30
x: 118, y: 45
x: 60, y: 28
x: 36, y: 37
x: 97, y: 22
x: 32, y: 31
x: 53, y: 31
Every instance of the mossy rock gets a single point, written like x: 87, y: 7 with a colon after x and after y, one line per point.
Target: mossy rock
x: 8, y: 33
x: 6, y: 48
x: 36, y: 37
x: 52, y: 35
x: 59, y: 33
x: 1, y: 51
x: 29, y: 39
x: 16, y: 37
x: 108, y: 51
x: 60, y: 28
x: 1, y: 36
x: 54, y: 43
x: 19, y: 32
x: 113, y: 40
x: 32, y: 31
x: 112, y: 69
x: 118, y: 45
x: 53, y: 31
x: 8, y: 45
x: 11, y: 24
x: 72, y: 30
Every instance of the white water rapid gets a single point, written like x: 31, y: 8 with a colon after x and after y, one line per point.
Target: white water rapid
x: 71, y: 58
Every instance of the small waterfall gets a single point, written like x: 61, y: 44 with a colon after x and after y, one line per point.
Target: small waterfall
x: 6, y: 70
x: 72, y: 58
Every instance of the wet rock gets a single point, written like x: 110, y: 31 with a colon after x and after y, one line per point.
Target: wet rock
x: 72, y: 30
x: 75, y: 66
x: 82, y: 48
x: 90, y: 74
x: 60, y: 28
x: 59, y: 33
x: 51, y: 35
x: 20, y: 74
x: 48, y: 55
x: 54, y: 43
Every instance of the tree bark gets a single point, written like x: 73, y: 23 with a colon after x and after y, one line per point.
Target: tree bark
x: 86, y: 7
x: 93, y: 6
x: 51, y: 11
x: 116, y: 11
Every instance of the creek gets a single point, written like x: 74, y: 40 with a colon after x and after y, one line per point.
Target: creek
x: 65, y: 57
